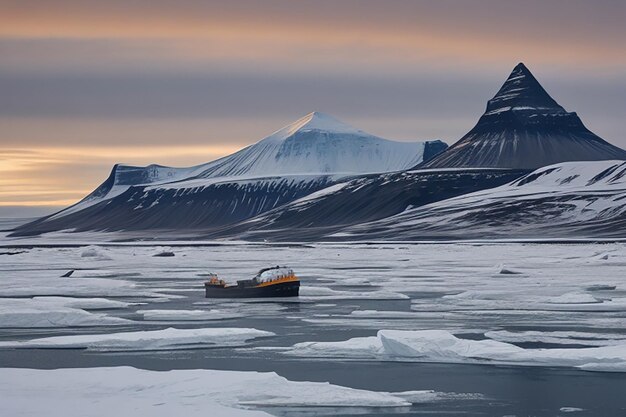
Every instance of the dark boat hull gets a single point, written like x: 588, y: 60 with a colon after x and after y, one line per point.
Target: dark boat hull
x: 283, y: 289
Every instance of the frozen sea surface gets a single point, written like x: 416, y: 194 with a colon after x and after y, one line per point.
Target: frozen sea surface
x: 433, y: 303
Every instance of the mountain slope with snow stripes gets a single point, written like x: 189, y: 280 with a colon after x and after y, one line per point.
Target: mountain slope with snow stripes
x: 573, y: 199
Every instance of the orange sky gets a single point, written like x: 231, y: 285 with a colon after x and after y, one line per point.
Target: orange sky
x: 90, y: 83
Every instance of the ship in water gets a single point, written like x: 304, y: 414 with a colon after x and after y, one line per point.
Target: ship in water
x: 269, y: 282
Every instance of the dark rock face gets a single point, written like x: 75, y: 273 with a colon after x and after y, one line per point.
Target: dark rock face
x: 522, y: 90
x: 187, y: 211
x: 572, y: 200
x: 524, y: 128
x: 433, y: 148
x: 362, y: 200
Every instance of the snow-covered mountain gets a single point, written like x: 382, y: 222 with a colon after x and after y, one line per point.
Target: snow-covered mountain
x: 321, y: 144
x: 567, y: 200
x: 309, y: 154
x: 316, y: 144
x: 523, y: 127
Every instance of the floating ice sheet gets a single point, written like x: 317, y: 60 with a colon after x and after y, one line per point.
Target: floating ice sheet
x: 574, y: 298
x: 126, y: 391
x: 95, y: 252
x: 570, y: 409
x: 46, y: 312
x: 167, y: 339
x: 323, y: 293
x: 507, y: 300
x: 442, y: 346
x: 47, y: 285
x: 558, y: 337
x: 384, y: 314
x: 187, y: 315
x: 84, y: 303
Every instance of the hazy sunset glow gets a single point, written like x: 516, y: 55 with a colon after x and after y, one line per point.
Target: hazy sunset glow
x: 87, y: 84
x: 63, y: 175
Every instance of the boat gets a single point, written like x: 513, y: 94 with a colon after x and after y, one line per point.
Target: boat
x: 276, y: 281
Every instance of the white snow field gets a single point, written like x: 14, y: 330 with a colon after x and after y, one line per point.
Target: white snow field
x: 126, y: 391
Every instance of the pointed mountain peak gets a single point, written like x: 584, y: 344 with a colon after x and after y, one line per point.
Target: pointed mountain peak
x: 322, y: 121
x: 315, y: 121
x: 521, y: 69
x: 522, y: 91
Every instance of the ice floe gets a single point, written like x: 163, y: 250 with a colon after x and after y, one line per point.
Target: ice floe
x: 355, y: 348
x: 558, y: 337
x: 570, y: 409
x: 604, y: 367
x: 167, y: 339
x: 373, y: 319
x: 574, y: 298
x: 84, y: 303
x: 163, y: 252
x: 323, y: 293
x: 187, y: 315
x: 48, y: 312
x: 125, y: 391
x: 443, y: 346
x: 72, y: 287
x: 601, y: 287
x: 383, y: 314
x: 476, y: 300
x: 502, y: 269
x: 95, y: 252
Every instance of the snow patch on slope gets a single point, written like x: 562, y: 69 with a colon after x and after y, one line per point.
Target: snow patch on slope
x: 312, y: 122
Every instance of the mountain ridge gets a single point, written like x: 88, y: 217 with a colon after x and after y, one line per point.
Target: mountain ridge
x: 307, y: 155
x: 260, y: 159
